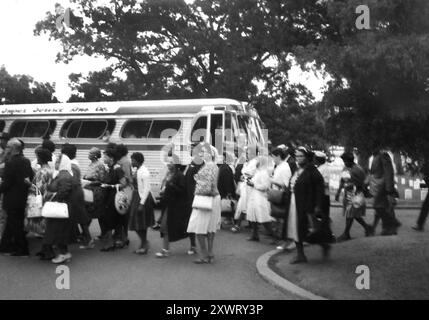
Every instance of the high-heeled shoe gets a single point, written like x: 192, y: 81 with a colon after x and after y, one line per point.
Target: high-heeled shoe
x: 90, y: 245
x: 210, y: 258
x: 61, y: 258
x: 107, y: 249
x: 201, y: 261
x: 122, y: 244
x: 163, y: 254
x: 141, y: 251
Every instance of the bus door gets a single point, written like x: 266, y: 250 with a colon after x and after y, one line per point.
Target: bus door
x: 199, y: 130
x: 217, y: 131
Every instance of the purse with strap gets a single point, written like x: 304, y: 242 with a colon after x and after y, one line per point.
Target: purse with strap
x: 55, y: 210
x: 202, y: 202
x: 34, y: 204
x: 228, y: 204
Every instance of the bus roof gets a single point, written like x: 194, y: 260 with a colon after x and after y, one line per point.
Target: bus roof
x: 118, y: 107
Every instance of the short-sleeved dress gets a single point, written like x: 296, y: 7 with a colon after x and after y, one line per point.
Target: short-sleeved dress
x: 206, y: 221
x: 141, y: 219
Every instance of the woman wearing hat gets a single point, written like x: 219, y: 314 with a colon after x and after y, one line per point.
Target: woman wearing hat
x: 205, y: 223
x: 93, y: 178
x: 354, y: 207
x: 114, y: 180
x: 307, y: 190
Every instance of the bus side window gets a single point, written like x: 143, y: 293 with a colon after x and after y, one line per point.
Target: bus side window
x: 159, y: 126
x: 17, y: 128
x: 73, y: 129
x: 136, y: 129
x: 93, y: 129
x: 2, y: 125
x: 199, y: 130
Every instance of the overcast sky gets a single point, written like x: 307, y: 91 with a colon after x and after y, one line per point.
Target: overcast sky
x: 23, y: 53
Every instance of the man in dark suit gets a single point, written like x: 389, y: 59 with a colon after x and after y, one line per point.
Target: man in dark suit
x: 382, y: 188
x: 425, y: 207
x: 14, y: 187
x: 4, y: 138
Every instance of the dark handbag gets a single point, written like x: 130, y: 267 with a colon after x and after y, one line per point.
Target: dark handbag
x: 275, y: 196
x: 321, y: 232
x: 278, y: 211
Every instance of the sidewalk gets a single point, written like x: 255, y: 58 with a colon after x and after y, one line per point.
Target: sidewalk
x: 398, y: 265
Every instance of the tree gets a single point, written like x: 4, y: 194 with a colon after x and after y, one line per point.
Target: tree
x: 171, y: 49
x: 380, y: 89
x: 23, y: 89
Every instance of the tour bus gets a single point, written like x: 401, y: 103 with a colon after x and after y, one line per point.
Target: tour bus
x: 150, y: 127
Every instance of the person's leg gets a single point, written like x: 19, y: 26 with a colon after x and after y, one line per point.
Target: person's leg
x: 346, y: 234
x: 62, y: 249
x: 367, y: 227
x: 86, y: 234
x: 193, y: 243
x: 2, y: 217
x: 269, y: 227
x: 19, y: 232
x: 108, y: 241
x: 7, y: 243
x: 423, y: 213
x: 210, y: 240
x: 144, y: 243
x: 387, y: 220
x: 376, y: 220
x: 300, y: 256
x: 255, y: 235
x: 326, y: 248
x: 125, y: 229
x: 202, y: 252
x: 166, y: 242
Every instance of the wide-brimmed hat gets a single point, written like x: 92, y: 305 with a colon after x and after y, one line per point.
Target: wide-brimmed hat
x: 348, y: 156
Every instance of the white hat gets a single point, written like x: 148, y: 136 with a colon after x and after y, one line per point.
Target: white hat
x: 320, y: 154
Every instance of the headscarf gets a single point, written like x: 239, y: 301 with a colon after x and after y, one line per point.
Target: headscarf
x: 65, y: 164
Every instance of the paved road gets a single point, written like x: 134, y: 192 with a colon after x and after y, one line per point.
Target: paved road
x: 123, y: 275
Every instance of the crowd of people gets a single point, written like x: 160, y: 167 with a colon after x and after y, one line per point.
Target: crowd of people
x: 286, y: 191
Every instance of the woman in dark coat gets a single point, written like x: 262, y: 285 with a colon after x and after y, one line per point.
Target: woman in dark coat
x: 226, y: 185
x: 59, y: 231
x: 174, y: 201
x: 307, y: 190
x: 114, y: 179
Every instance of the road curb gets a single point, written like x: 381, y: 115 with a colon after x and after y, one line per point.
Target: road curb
x: 281, y: 283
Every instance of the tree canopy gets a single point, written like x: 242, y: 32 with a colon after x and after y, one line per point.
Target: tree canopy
x: 23, y: 89
x: 243, y: 49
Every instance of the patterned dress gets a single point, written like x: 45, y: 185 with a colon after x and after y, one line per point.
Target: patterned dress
x: 41, y: 180
x: 96, y: 173
x: 206, y: 221
x: 353, y: 179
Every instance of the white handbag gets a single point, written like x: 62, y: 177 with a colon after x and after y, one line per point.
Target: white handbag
x: 203, y: 202
x: 56, y: 210
x: 228, y: 205
x: 34, y: 205
x: 88, y: 195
